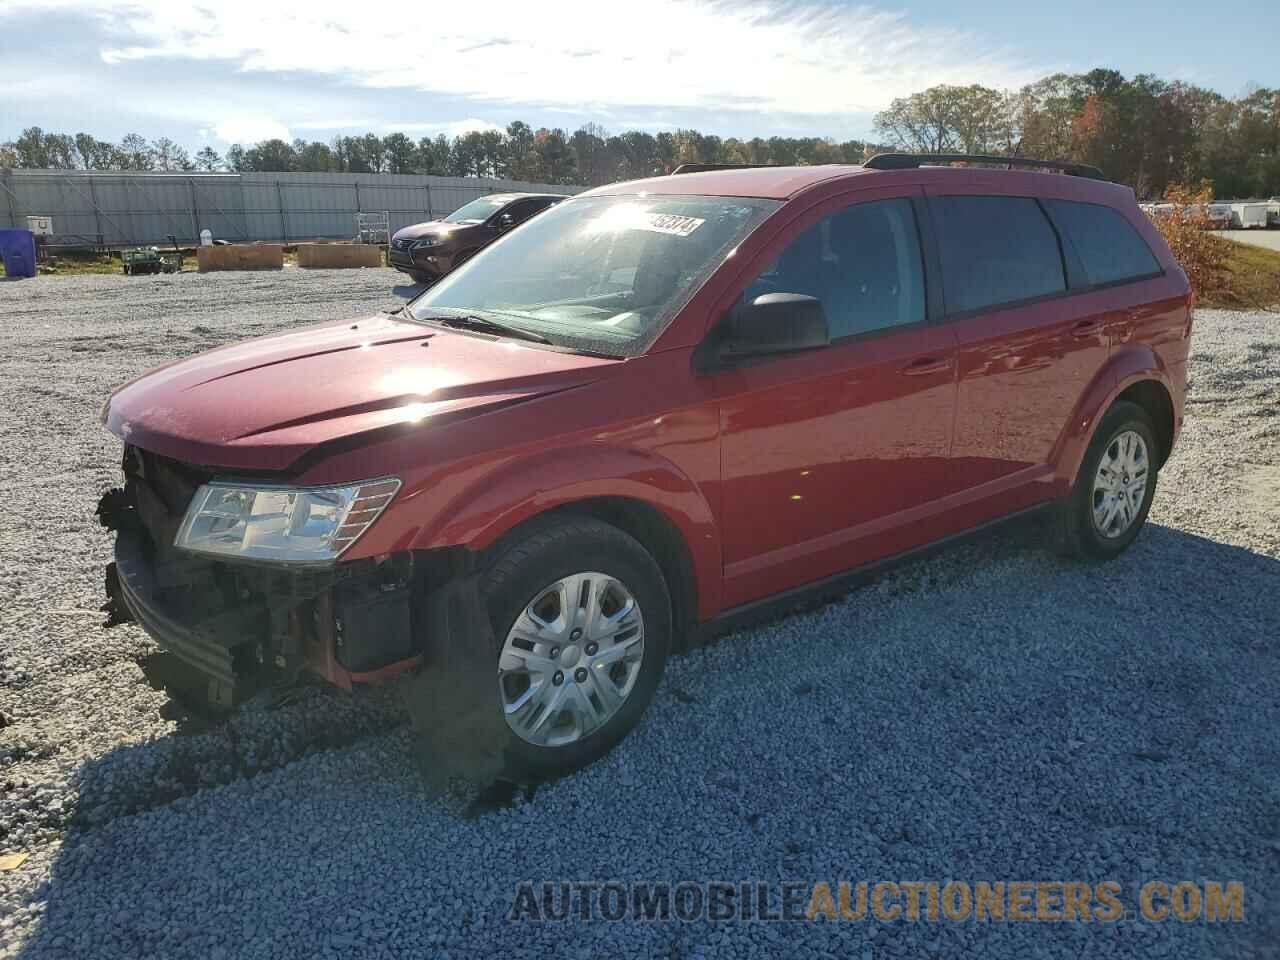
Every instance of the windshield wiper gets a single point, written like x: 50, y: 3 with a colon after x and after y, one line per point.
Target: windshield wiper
x: 470, y: 321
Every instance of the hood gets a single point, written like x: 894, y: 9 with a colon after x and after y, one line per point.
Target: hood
x: 432, y: 228
x: 262, y: 404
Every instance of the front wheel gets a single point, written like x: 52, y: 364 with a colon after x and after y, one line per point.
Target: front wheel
x: 1112, y: 494
x: 582, y: 619
x: 541, y: 660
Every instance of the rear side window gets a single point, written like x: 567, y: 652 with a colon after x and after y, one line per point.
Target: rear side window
x: 862, y: 262
x: 996, y: 250
x: 1107, y: 244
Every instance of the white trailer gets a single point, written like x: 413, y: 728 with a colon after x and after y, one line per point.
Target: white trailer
x: 1249, y: 216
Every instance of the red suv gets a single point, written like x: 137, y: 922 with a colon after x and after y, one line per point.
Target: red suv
x: 656, y: 408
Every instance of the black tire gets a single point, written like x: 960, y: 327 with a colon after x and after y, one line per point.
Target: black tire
x: 1078, y: 535
x: 417, y: 277
x: 522, y: 567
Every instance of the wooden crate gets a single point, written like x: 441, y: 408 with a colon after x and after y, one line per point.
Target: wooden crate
x: 257, y: 256
x: 338, y: 255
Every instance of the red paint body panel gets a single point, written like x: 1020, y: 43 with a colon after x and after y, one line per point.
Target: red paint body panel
x: 262, y: 404
x: 775, y: 474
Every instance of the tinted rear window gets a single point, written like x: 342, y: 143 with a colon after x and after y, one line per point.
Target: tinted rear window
x: 1107, y: 244
x: 996, y: 250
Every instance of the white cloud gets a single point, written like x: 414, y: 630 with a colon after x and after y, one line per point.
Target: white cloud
x: 239, y: 128
x: 334, y: 123
x: 793, y: 56
x: 452, y: 128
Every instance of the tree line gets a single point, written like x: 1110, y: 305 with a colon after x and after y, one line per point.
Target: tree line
x: 1144, y: 131
x: 588, y: 156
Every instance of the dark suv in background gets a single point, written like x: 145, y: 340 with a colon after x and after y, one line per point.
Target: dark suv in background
x: 427, y: 251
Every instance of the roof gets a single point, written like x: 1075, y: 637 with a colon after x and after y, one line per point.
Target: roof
x: 782, y: 183
x: 508, y: 197
x: 774, y: 183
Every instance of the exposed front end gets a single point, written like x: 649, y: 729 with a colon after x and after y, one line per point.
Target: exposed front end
x: 236, y: 623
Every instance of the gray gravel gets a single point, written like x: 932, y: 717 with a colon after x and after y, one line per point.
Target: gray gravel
x: 993, y: 713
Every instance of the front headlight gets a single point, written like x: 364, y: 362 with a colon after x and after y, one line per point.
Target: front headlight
x: 425, y: 242
x: 295, y: 524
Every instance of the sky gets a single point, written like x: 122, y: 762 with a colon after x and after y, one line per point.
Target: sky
x: 214, y: 72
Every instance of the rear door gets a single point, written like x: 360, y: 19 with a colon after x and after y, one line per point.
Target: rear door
x: 826, y: 453
x: 1027, y: 348
x: 1113, y: 261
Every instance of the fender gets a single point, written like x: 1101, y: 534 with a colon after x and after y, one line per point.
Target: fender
x: 494, y: 505
x: 1123, y: 369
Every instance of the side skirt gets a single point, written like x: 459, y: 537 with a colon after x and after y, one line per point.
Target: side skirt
x: 829, y: 588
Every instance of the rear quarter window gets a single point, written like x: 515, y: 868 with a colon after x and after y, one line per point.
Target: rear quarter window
x: 1107, y: 244
x: 996, y: 250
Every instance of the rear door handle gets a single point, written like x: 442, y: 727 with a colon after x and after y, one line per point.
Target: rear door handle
x: 922, y: 366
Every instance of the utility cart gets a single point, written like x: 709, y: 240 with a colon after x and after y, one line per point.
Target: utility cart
x: 150, y: 260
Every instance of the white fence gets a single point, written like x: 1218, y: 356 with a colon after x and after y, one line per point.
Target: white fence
x: 113, y: 209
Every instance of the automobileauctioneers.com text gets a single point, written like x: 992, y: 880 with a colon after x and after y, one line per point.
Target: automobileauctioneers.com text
x: 884, y: 901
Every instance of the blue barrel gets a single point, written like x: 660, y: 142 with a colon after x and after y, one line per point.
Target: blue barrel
x: 18, y: 250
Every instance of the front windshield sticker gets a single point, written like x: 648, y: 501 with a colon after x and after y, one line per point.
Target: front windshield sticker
x: 633, y: 216
x: 670, y: 223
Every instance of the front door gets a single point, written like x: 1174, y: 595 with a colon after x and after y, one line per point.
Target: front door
x: 828, y: 456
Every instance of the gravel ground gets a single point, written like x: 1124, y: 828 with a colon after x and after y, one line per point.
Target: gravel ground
x: 993, y: 713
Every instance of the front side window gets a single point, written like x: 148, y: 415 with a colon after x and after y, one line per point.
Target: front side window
x: 1107, y: 244
x: 521, y: 210
x: 996, y: 250
x: 599, y: 273
x: 477, y: 211
x: 863, y: 263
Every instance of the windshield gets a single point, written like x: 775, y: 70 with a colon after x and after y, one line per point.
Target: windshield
x: 599, y: 273
x: 477, y: 211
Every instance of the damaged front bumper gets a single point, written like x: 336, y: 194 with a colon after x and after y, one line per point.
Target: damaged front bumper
x: 235, y: 626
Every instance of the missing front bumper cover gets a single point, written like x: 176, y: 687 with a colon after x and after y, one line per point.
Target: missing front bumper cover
x: 237, y: 626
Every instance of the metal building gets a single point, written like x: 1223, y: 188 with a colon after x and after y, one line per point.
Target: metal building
x: 116, y: 209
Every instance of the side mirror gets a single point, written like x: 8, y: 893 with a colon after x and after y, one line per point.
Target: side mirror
x: 771, y: 324
x: 506, y: 221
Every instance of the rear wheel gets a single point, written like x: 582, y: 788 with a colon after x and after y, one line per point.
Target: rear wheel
x: 1112, y: 494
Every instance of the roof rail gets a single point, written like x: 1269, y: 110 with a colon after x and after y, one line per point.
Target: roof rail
x: 705, y: 167
x: 910, y: 161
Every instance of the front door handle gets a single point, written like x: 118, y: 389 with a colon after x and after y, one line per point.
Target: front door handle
x: 1085, y: 328
x: 923, y: 366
